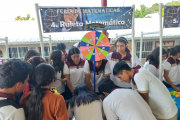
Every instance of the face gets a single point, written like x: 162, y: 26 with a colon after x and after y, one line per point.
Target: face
x: 124, y: 77
x: 64, y: 51
x: 75, y: 58
x: 21, y: 86
x: 62, y: 57
x: 120, y: 47
x: 164, y: 57
x: 98, y: 63
x: 178, y: 55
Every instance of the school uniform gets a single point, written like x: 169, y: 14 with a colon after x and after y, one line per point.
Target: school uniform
x: 103, y: 70
x: 174, y: 70
x: 126, y: 104
x: 159, y: 99
x: 60, y: 86
x: 76, y: 72
x: 54, y: 106
x: 89, y: 111
x: 152, y: 68
x: 9, y: 109
x: 115, y: 57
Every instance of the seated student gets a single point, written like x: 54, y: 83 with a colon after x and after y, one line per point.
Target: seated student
x: 152, y: 61
x: 41, y: 103
x: 150, y: 88
x: 102, y: 71
x: 62, y: 72
x: 123, y: 104
x: 14, y: 75
x: 85, y: 104
x: 172, y: 69
x: 122, y: 53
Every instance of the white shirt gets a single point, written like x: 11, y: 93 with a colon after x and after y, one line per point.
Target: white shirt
x: 114, y: 78
x: 76, y: 73
x: 99, y: 76
x: 160, y: 99
x: 91, y: 111
x: 126, y: 104
x: 60, y: 86
x: 11, y: 113
x: 174, y: 70
x: 152, y: 69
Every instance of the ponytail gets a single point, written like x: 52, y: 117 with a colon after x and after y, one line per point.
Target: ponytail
x: 35, y: 106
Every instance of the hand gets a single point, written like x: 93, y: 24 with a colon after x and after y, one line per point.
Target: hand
x: 177, y: 88
x: 70, y: 17
x: 129, y: 47
x: 63, y: 80
x: 51, y: 88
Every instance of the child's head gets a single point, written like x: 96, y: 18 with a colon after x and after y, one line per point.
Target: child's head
x: 15, y: 73
x: 154, y: 55
x: 62, y: 47
x: 45, y: 74
x: 74, y: 55
x: 30, y: 53
x: 98, y: 63
x: 120, y: 44
x: 35, y: 60
x: 121, y: 71
x: 106, y: 86
x: 175, y: 51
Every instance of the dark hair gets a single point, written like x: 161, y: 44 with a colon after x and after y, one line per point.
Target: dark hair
x: 35, y: 60
x: 174, y: 50
x: 57, y: 63
x: 61, y: 46
x: 45, y: 74
x: 119, y: 66
x: 72, y: 51
x: 82, y: 96
x: 154, y: 55
x: 14, y: 71
x: 123, y: 40
x: 30, y: 53
x: 106, y: 85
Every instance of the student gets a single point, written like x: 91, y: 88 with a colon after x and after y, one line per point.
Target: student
x: 76, y: 68
x: 152, y: 61
x: 62, y: 72
x: 41, y: 103
x: 35, y: 60
x: 122, y: 53
x: 14, y: 75
x: 85, y: 104
x: 102, y: 71
x: 172, y: 69
x: 62, y: 47
x: 150, y: 88
x: 30, y: 53
x: 123, y: 104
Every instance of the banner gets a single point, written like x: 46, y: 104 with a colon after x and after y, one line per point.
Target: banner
x: 75, y: 19
x: 171, y: 16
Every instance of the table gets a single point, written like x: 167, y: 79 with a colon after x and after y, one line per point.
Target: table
x: 177, y: 99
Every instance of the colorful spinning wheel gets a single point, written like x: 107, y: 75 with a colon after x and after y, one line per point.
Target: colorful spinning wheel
x: 95, y: 46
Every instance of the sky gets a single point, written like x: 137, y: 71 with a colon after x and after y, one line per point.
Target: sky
x: 10, y: 9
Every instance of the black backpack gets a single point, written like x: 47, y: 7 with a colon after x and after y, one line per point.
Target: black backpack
x: 7, y: 102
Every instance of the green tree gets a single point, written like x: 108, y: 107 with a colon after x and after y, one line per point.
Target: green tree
x: 142, y: 12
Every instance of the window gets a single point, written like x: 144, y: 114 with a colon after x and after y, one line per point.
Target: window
x: 147, y: 48
x: 17, y: 52
x: 46, y: 50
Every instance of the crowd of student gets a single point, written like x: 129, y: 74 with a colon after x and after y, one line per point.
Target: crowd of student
x: 27, y: 88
